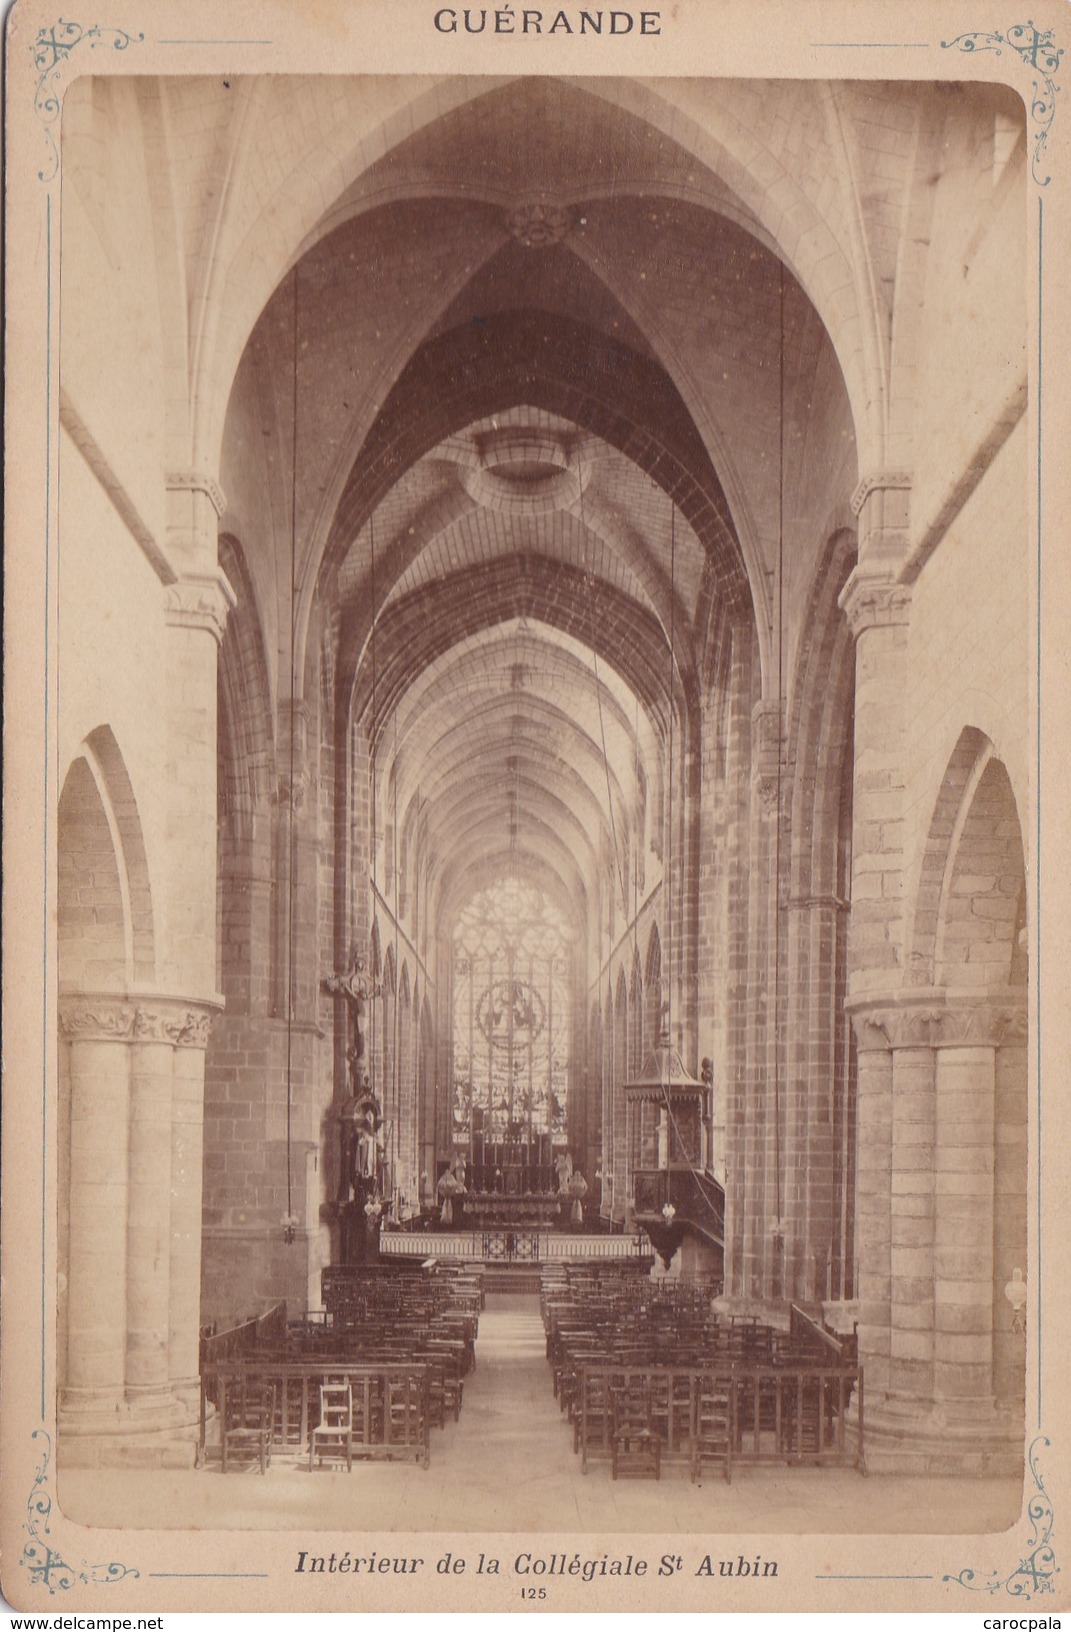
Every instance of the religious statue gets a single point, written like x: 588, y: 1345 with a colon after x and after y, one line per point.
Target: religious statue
x: 564, y: 1168
x: 577, y: 1187
x: 449, y: 1186
x: 360, y: 1144
x: 357, y: 989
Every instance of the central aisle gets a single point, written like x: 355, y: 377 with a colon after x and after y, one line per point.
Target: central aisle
x: 508, y: 1465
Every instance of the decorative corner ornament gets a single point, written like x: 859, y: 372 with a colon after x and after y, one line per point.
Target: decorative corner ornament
x: 50, y: 52
x: 1037, y: 1569
x: 1036, y: 49
x: 47, y: 1566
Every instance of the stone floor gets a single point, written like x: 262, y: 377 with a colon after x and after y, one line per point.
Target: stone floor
x: 508, y: 1465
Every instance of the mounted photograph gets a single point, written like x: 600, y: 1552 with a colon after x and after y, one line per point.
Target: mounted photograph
x: 539, y: 869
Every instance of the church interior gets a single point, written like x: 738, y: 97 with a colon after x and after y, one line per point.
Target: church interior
x: 544, y: 773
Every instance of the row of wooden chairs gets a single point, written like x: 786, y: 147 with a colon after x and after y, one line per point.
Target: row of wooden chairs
x: 638, y: 1415
x: 433, y: 1286
x: 647, y: 1371
x: 379, y: 1409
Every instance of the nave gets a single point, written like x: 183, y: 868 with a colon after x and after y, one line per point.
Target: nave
x: 565, y: 756
x: 508, y: 1465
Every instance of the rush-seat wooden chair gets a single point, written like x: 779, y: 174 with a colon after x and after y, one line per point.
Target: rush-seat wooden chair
x: 248, y: 1415
x: 332, y: 1437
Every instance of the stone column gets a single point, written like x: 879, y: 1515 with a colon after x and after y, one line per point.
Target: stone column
x: 873, y: 1200
x: 1010, y: 1210
x: 733, y: 1090
x: 187, y: 1158
x: 196, y: 615
x: 686, y: 906
x: 927, y: 1226
x: 149, y: 1219
x: 135, y: 1231
x: 878, y: 612
x: 98, y: 1030
x: 963, y: 1179
x: 912, y: 1213
x: 759, y: 1186
x: 197, y: 609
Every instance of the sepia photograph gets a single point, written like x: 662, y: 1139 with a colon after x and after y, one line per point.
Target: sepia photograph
x: 527, y: 849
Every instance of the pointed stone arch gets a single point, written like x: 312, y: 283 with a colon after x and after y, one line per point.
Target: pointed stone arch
x: 970, y: 907
x: 105, y: 905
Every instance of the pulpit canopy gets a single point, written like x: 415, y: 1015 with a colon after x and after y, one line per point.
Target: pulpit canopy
x: 664, y: 1076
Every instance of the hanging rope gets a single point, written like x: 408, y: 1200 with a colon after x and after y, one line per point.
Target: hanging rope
x: 589, y: 575
x: 674, y: 1126
x: 395, y: 1064
x: 669, y: 822
x: 373, y: 1028
x: 290, y: 786
x: 619, y: 867
x: 780, y: 705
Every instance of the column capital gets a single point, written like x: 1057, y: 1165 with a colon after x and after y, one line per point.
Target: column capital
x: 143, y: 1018
x: 939, y: 1019
x: 197, y: 481
x: 870, y: 602
x: 882, y: 502
x: 97, y: 1018
x: 201, y: 601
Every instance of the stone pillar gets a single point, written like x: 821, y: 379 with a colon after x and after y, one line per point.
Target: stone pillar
x: 733, y: 1090
x: 759, y: 1179
x: 963, y: 1177
x: 927, y: 1226
x: 135, y: 1231
x: 98, y: 1032
x: 873, y: 1201
x: 912, y: 1218
x: 1010, y: 1210
x: 686, y: 906
x: 196, y: 613
x: 187, y: 1158
x: 878, y: 612
x: 149, y: 1219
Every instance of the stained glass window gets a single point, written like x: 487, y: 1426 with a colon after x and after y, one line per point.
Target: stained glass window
x: 513, y: 984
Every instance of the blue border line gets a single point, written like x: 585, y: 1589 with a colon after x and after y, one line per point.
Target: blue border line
x: 44, y: 913
x: 1037, y: 909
